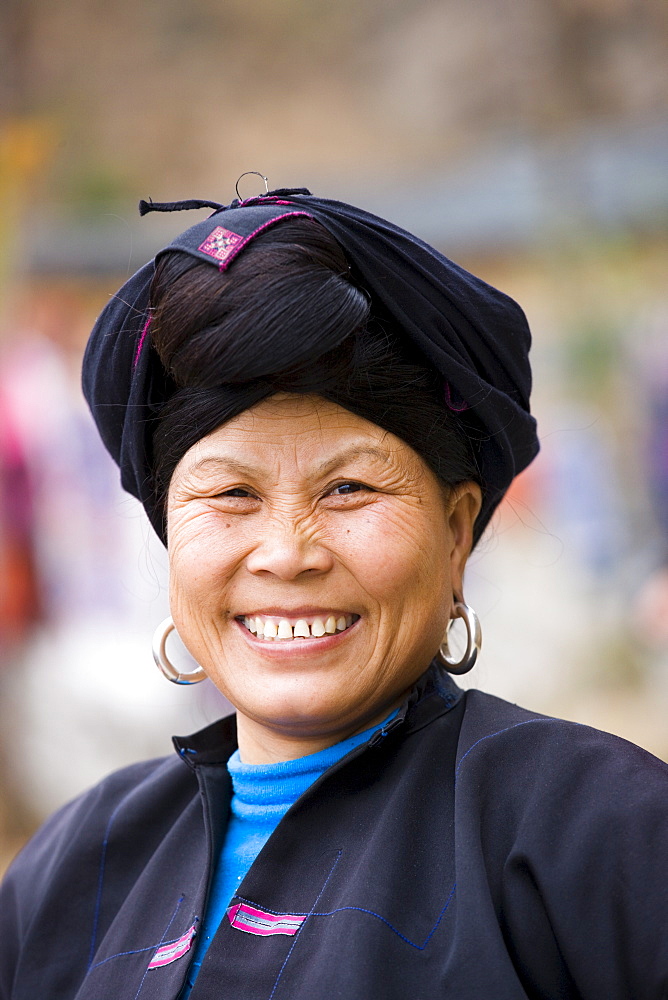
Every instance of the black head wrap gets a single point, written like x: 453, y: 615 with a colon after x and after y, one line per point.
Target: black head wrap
x: 476, y: 337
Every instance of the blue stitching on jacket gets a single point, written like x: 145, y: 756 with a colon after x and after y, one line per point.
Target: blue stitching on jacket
x: 419, y: 947
x: 312, y: 910
x: 489, y: 736
x: 100, y: 880
x: 138, y: 951
x: 359, y: 909
x: 135, y: 951
x: 161, y: 942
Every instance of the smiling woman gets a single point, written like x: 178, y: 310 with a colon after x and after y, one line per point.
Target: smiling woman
x: 320, y: 414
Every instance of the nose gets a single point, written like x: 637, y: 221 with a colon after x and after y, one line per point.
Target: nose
x: 286, y: 552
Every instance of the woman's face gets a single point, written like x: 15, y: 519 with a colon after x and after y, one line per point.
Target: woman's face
x: 313, y: 558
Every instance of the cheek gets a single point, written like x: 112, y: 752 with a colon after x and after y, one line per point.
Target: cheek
x: 398, y: 556
x: 201, y: 559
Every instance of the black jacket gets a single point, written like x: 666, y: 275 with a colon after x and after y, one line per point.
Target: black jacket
x: 471, y: 851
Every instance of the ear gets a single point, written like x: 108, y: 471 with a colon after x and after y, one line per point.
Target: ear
x: 464, y: 507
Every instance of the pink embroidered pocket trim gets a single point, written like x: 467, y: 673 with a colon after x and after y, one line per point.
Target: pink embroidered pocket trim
x: 246, y: 918
x: 170, y: 952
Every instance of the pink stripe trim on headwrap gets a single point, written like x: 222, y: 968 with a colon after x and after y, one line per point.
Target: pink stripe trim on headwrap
x: 141, y: 341
x: 450, y: 404
x: 238, y: 247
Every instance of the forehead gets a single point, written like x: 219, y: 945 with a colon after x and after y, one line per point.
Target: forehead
x: 297, y: 414
x: 307, y: 428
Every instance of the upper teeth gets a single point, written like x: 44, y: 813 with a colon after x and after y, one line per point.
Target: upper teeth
x: 303, y: 628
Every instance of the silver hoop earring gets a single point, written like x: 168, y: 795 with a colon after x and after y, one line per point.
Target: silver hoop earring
x: 473, y: 641
x: 165, y: 665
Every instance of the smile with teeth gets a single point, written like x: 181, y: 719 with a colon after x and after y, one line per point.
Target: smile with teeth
x: 272, y: 627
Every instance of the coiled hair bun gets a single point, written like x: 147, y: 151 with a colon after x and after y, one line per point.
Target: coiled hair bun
x: 287, y: 317
x: 286, y: 301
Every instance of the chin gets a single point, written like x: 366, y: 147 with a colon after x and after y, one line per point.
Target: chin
x: 300, y: 713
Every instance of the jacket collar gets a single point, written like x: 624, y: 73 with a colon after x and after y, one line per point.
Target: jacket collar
x: 432, y: 695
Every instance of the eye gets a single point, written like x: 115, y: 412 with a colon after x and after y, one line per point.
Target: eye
x: 238, y: 491
x: 229, y: 497
x: 345, y: 489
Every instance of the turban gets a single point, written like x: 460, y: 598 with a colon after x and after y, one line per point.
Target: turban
x: 473, y: 335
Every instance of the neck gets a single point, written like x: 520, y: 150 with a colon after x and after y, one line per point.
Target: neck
x: 259, y: 744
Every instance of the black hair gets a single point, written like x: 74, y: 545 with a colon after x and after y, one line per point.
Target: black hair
x: 288, y: 317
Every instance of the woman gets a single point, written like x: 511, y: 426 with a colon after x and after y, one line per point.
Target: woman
x: 319, y: 414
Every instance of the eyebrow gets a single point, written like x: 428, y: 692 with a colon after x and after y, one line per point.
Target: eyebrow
x: 349, y: 454
x: 340, y: 458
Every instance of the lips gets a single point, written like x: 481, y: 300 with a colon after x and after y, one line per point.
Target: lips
x: 283, y: 628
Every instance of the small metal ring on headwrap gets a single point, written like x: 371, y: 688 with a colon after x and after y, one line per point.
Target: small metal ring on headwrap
x: 257, y: 174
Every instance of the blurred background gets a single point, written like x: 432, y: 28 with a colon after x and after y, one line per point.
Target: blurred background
x: 527, y: 139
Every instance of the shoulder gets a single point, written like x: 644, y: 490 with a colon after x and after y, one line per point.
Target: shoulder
x: 124, y: 802
x: 570, y: 825
x: 523, y: 777
x: 513, y: 738
x: 142, y: 782
x: 51, y: 893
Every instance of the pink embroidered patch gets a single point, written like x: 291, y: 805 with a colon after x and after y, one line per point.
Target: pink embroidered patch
x: 170, y: 952
x: 220, y: 243
x: 247, y: 918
